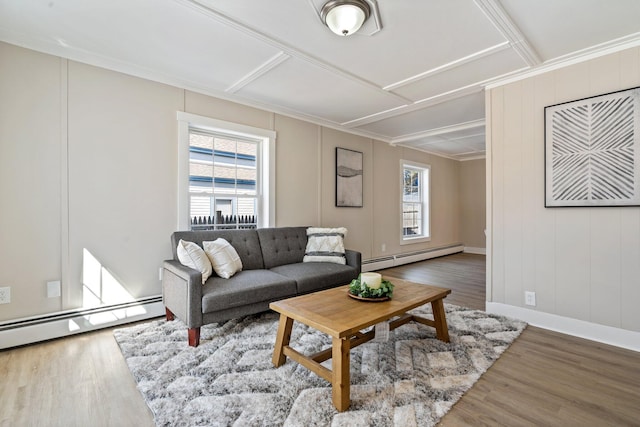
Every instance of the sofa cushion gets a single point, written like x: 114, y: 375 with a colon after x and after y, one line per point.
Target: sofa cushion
x: 325, y: 245
x: 192, y: 256
x: 246, y: 287
x: 245, y: 242
x: 283, y: 245
x: 314, y: 276
x: 224, y: 258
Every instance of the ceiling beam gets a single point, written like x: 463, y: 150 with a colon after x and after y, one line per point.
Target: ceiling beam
x: 502, y: 21
x: 439, y: 131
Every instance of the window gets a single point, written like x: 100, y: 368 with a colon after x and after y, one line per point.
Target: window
x: 415, y: 202
x: 225, y: 174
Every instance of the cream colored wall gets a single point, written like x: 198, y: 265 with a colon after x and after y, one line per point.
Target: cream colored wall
x: 583, y: 263
x: 445, y: 200
x: 31, y: 96
x: 122, y: 181
x: 473, y: 196
x: 89, y: 166
x: 298, y: 175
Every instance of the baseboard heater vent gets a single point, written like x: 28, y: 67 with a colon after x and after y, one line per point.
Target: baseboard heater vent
x: 409, y: 257
x: 41, y: 328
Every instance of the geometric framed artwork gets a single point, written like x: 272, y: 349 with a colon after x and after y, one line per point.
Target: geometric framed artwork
x: 592, y: 151
x: 348, y: 178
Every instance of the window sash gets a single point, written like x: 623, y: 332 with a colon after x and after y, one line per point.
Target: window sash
x: 226, y: 196
x: 415, y: 202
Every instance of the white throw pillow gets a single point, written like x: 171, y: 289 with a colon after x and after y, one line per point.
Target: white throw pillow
x: 325, y: 245
x: 192, y: 255
x: 224, y: 257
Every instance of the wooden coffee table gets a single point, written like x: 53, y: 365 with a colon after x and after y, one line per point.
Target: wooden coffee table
x: 333, y: 312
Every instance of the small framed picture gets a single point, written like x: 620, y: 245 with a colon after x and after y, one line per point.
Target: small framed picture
x: 348, y: 178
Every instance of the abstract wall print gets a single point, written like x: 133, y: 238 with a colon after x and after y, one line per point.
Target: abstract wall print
x: 592, y: 151
x: 348, y: 178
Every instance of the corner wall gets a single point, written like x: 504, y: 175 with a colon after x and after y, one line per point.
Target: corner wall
x: 583, y: 263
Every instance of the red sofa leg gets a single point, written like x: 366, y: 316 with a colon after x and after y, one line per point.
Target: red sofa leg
x: 170, y: 315
x: 194, y: 337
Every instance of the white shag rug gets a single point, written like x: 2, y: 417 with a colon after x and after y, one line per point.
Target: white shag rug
x: 413, y: 379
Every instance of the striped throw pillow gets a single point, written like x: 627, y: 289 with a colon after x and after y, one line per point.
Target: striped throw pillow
x: 325, y: 245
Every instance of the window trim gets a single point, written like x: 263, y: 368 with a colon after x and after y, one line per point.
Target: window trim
x: 266, y: 164
x: 426, y: 222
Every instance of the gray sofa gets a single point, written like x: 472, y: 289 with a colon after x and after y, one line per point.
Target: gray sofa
x: 272, y: 269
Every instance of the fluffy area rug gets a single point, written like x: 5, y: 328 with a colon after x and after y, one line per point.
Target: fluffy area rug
x: 412, y: 379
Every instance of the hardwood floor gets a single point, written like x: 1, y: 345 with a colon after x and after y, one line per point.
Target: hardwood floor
x: 543, y: 379
x: 463, y: 273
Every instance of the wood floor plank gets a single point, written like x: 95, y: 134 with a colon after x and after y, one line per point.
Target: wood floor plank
x: 543, y: 379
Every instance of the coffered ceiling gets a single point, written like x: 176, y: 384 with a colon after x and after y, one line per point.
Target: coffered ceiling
x: 414, y: 75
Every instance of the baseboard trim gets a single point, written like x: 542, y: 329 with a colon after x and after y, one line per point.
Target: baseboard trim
x: 578, y: 328
x: 478, y: 251
x: 400, y: 259
x: 56, y: 325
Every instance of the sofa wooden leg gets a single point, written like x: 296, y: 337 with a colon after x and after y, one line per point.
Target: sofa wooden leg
x: 170, y: 315
x: 194, y: 337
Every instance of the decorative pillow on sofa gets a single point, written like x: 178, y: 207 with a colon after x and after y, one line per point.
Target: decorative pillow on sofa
x: 192, y: 255
x: 224, y: 257
x: 325, y: 245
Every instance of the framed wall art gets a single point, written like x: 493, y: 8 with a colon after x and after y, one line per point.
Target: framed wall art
x: 348, y: 178
x: 592, y: 151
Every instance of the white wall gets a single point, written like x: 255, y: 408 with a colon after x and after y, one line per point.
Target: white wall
x: 583, y: 263
x: 88, y: 168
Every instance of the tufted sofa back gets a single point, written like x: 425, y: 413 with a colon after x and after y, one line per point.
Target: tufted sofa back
x: 245, y: 242
x: 282, y: 245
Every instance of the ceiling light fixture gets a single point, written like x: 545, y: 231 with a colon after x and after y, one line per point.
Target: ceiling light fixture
x: 345, y: 17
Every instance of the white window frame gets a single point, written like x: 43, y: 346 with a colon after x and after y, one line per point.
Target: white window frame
x: 426, y: 198
x: 266, y: 164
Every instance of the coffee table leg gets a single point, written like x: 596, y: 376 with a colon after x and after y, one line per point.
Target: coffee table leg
x: 341, y: 384
x: 282, y: 339
x: 442, y: 332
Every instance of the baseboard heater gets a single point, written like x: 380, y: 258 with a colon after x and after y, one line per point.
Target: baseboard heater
x: 49, y: 326
x: 409, y: 257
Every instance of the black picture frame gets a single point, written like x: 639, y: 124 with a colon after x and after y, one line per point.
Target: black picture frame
x: 349, y: 178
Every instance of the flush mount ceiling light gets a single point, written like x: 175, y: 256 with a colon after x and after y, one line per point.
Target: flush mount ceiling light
x: 345, y: 17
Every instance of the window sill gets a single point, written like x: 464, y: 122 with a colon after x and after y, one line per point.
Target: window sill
x: 412, y: 240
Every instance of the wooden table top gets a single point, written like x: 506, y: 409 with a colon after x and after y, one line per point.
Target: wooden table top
x: 333, y: 312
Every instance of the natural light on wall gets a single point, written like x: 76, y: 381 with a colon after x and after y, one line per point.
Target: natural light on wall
x: 101, y: 288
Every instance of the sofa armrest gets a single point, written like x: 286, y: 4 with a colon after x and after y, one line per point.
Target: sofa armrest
x: 182, y: 292
x: 354, y: 259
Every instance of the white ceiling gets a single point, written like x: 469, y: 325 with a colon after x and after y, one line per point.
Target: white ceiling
x: 413, y: 76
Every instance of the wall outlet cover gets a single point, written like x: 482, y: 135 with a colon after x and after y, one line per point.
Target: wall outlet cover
x: 530, y: 298
x: 5, y: 295
x: 53, y: 289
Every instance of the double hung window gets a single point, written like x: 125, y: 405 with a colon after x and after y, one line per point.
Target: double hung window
x: 223, y: 181
x: 415, y: 202
x: 226, y: 175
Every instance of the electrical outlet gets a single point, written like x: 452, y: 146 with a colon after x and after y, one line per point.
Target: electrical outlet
x: 530, y: 298
x: 5, y: 295
x: 384, y: 247
x: 160, y: 274
x: 53, y: 289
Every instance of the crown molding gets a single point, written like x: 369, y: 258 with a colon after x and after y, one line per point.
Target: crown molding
x: 603, y: 49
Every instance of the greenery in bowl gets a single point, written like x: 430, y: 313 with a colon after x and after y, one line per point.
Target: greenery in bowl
x: 359, y: 288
